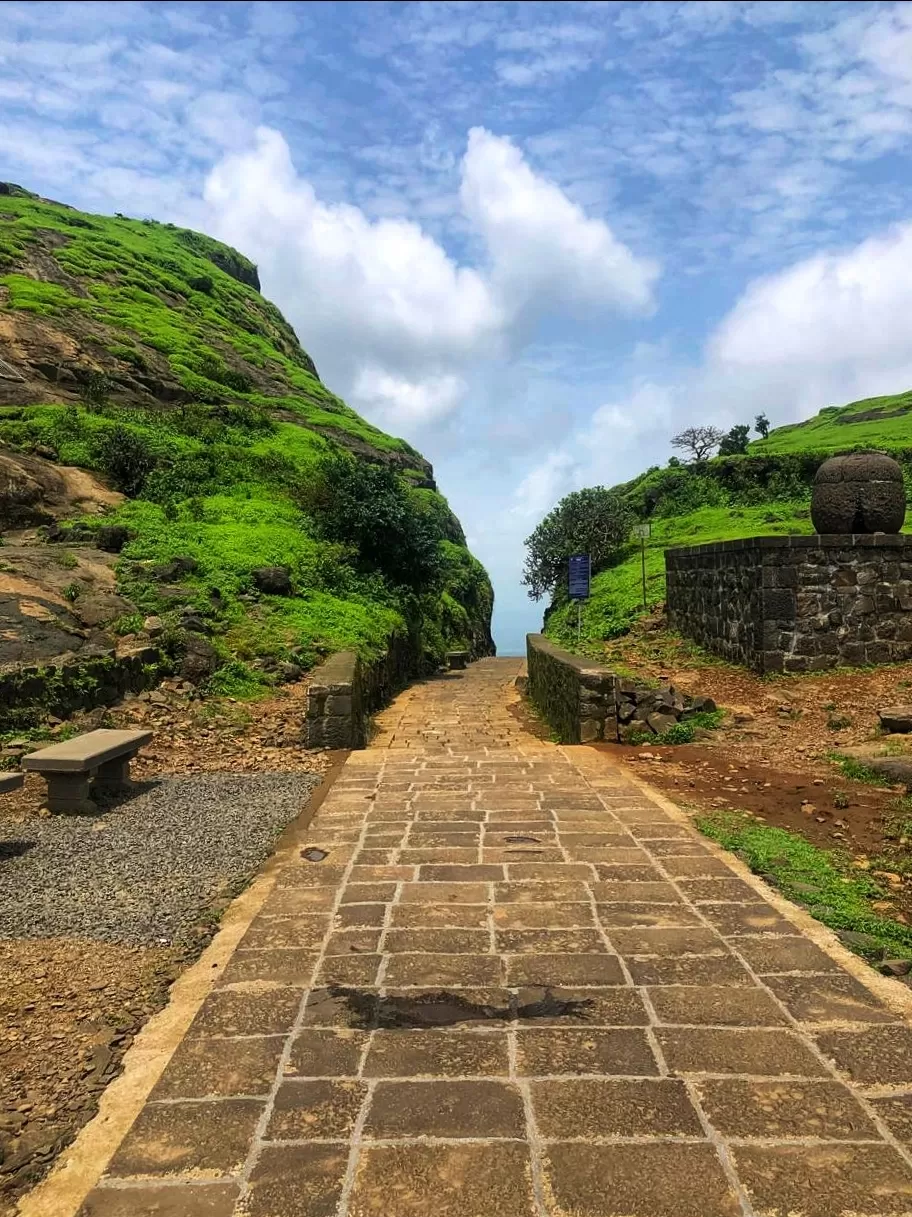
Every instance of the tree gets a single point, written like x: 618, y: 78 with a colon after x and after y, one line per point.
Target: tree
x: 699, y: 441
x: 595, y: 521
x: 762, y: 425
x: 370, y: 508
x: 735, y: 441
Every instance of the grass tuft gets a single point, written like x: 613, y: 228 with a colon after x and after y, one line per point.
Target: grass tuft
x: 823, y: 881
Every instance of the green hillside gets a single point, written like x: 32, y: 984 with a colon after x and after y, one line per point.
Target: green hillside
x: 146, y: 353
x: 764, y: 492
x: 875, y: 422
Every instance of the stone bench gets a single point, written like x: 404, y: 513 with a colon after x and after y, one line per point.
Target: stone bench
x: 457, y: 660
x: 10, y: 781
x: 70, y: 766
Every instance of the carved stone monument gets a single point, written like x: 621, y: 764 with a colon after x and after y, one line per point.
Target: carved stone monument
x: 861, y: 492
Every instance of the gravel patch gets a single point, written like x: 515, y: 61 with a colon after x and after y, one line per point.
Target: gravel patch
x: 144, y: 870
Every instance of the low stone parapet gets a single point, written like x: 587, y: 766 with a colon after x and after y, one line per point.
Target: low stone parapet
x: 583, y: 701
x: 576, y: 697
x: 795, y: 604
x: 79, y: 682
x: 335, y: 717
x: 346, y: 690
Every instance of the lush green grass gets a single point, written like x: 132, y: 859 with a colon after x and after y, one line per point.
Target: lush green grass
x: 234, y: 426
x: 835, y: 429
x: 825, y: 882
x: 858, y: 771
x: 617, y: 594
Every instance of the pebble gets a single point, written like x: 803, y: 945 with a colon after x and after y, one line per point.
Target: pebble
x: 167, y: 852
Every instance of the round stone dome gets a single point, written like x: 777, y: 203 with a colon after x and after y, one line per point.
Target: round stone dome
x: 861, y: 492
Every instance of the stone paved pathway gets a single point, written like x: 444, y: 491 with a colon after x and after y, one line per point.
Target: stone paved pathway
x: 518, y: 986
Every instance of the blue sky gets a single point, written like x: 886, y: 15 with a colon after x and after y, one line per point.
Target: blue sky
x: 533, y: 239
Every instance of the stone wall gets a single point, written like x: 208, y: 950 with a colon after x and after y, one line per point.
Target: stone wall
x: 346, y: 690
x: 583, y: 701
x: 795, y: 604
x: 576, y: 697
x: 83, y: 682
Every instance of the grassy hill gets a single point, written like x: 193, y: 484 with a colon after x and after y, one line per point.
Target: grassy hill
x: 876, y: 422
x: 765, y: 492
x: 146, y: 353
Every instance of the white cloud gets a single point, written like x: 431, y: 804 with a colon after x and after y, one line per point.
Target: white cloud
x: 398, y: 403
x: 543, y: 248
x: 392, y: 319
x: 542, y: 486
x: 832, y: 327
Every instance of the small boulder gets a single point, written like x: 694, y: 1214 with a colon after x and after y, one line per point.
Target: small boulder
x: 895, y: 967
x: 272, y: 580
x: 175, y: 569
x: 892, y: 768
x: 154, y: 626
x: 897, y: 720
x: 200, y: 659
x: 112, y: 538
x: 702, y: 705
x: 195, y: 624
x: 661, y: 722
x: 636, y: 726
x: 865, y: 944
x: 288, y: 672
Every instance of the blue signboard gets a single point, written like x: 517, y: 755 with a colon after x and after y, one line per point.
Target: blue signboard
x: 579, y: 577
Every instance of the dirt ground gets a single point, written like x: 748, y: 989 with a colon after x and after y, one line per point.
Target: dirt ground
x: 771, y: 755
x: 69, y: 1008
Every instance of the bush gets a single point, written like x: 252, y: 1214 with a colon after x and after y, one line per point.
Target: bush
x: 370, y: 508
x: 201, y: 283
x: 595, y: 522
x: 95, y: 390
x: 126, y: 457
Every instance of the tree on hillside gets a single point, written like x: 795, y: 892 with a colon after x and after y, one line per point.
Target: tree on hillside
x: 735, y: 441
x: 762, y: 425
x: 370, y: 508
x: 595, y: 521
x: 699, y: 441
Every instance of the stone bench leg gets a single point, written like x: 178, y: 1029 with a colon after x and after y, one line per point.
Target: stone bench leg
x: 114, y: 773
x: 69, y: 792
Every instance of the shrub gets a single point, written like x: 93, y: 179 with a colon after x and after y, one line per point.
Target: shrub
x: 126, y: 457
x: 370, y: 508
x: 201, y: 283
x: 594, y: 521
x: 95, y: 390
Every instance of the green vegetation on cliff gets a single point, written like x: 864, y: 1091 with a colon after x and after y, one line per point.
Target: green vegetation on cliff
x: 146, y: 353
x: 765, y: 491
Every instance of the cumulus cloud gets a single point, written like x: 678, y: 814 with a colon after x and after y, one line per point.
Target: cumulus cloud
x: 543, y: 248
x: 393, y: 320
x: 829, y: 329
x: 833, y: 308
x: 394, y: 401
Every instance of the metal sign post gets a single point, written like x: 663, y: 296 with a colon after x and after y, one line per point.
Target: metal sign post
x: 579, y: 576
x: 643, y: 531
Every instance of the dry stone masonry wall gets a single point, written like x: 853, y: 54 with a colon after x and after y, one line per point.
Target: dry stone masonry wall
x: 345, y: 690
x: 83, y: 682
x: 583, y: 702
x: 795, y: 604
